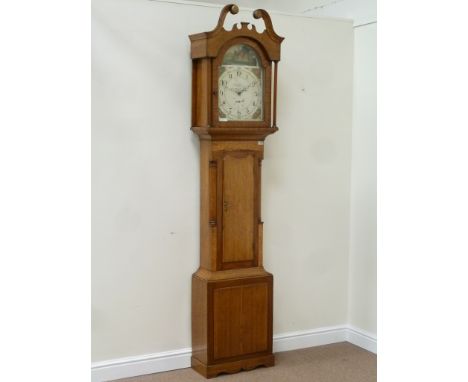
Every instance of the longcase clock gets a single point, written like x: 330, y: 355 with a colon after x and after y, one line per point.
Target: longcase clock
x: 233, y: 111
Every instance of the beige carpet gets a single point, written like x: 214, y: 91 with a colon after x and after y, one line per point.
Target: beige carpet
x: 340, y: 362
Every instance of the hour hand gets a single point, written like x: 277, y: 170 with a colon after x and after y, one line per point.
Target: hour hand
x: 233, y: 90
x: 237, y: 91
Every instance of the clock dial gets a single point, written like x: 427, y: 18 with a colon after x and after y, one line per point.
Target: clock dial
x: 240, y: 94
x: 240, y: 85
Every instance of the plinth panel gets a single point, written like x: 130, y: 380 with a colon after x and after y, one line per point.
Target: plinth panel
x: 240, y: 320
x: 231, y: 321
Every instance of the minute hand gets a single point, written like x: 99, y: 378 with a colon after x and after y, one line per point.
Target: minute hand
x: 246, y: 88
x: 251, y: 85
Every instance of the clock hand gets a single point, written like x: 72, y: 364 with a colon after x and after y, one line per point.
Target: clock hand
x: 235, y: 90
x: 247, y: 87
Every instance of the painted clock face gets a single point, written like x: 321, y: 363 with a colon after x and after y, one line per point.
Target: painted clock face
x: 240, y: 85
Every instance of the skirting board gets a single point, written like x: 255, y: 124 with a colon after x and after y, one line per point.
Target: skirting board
x: 180, y: 359
x: 362, y: 338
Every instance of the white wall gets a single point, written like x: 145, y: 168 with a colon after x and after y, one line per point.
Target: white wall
x: 360, y: 11
x: 363, y: 235
x: 145, y: 175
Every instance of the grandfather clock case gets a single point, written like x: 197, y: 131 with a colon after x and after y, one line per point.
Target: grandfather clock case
x: 233, y: 110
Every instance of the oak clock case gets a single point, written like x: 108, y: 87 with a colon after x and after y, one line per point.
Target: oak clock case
x: 233, y: 111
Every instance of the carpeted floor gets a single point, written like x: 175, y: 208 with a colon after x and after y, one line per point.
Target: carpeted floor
x: 341, y: 362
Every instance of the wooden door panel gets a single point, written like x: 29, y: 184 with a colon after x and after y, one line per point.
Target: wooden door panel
x: 238, y: 208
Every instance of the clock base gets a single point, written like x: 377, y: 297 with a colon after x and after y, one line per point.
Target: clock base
x: 232, y: 315
x: 211, y: 371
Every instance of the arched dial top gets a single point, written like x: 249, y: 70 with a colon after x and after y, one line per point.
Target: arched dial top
x: 240, y: 85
